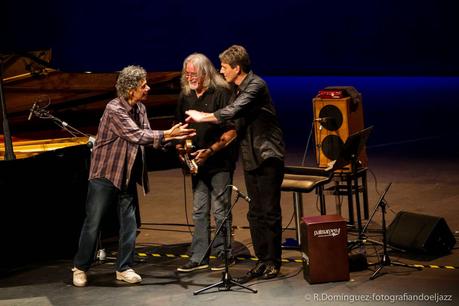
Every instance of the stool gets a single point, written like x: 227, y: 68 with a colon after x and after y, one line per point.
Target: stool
x: 303, y: 180
x: 344, y: 185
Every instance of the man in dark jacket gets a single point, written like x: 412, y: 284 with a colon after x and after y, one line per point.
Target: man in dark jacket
x: 262, y: 151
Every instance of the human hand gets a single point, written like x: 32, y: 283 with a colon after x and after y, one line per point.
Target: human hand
x: 200, y: 156
x: 194, y: 116
x: 179, y: 131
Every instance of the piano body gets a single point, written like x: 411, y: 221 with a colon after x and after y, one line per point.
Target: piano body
x: 43, y: 189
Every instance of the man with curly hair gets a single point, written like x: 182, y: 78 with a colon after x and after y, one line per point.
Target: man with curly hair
x: 117, y: 164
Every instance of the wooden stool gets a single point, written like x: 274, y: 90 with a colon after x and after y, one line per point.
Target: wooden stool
x: 344, y: 185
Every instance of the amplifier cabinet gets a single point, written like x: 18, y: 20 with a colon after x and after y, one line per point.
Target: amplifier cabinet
x: 334, y: 121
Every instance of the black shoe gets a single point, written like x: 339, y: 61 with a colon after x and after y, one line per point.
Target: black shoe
x: 192, y: 266
x: 271, y: 271
x: 219, y: 263
x: 255, y: 272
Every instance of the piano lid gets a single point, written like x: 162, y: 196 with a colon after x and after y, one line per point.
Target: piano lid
x: 77, y: 98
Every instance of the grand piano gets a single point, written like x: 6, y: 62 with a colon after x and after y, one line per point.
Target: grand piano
x: 43, y: 187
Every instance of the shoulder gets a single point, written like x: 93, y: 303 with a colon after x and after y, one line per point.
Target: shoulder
x: 117, y: 106
x: 183, y: 97
x: 222, y: 91
x: 254, y: 86
x: 222, y: 94
x: 252, y: 82
x: 114, y: 105
x: 256, y: 80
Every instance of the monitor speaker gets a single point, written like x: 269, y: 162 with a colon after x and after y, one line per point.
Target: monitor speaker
x: 421, y: 233
x: 334, y: 120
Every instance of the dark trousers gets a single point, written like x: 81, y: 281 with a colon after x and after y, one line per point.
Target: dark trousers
x: 101, y: 195
x: 265, y: 218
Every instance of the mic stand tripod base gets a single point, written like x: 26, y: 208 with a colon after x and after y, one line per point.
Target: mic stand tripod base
x: 385, y: 261
x: 225, y: 285
x: 227, y: 281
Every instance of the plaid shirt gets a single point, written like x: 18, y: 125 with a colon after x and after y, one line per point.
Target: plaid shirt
x: 118, y: 140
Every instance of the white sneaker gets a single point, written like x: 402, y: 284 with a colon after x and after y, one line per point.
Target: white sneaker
x: 128, y: 276
x: 79, y: 278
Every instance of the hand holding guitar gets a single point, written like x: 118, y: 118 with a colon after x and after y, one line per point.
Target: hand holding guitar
x: 184, y: 151
x: 200, y: 156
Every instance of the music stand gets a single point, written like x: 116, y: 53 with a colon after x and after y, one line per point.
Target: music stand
x: 350, y: 154
x: 227, y: 281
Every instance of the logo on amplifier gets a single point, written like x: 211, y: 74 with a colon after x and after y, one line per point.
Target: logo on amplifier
x: 331, y: 232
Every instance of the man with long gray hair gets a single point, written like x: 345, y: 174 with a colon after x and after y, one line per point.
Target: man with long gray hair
x: 262, y: 151
x: 203, y: 88
x: 117, y: 164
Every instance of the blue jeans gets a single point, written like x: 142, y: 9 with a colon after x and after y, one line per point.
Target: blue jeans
x: 101, y: 195
x: 207, y: 195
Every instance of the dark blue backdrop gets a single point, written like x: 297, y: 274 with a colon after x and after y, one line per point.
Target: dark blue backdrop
x: 284, y: 37
x: 412, y: 115
x: 401, y: 55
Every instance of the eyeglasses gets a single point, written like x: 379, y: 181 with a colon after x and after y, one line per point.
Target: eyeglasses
x: 191, y: 75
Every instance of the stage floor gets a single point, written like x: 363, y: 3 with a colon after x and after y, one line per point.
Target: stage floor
x: 422, y: 182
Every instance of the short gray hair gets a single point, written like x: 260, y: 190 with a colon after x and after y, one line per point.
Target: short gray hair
x: 128, y: 79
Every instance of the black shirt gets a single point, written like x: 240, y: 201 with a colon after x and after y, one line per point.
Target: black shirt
x: 208, y: 133
x: 258, y: 127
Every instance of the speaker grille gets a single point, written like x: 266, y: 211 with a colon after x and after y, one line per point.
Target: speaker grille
x: 332, y: 145
x: 333, y: 116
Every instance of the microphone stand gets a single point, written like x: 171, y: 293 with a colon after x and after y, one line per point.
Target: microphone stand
x: 9, y: 151
x: 43, y: 113
x: 227, y: 281
x: 385, y: 259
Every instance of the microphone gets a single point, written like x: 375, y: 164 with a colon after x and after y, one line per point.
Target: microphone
x: 91, y: 141
x: 240, y: 194
x: 323, y: 119
x: 32, y: 109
